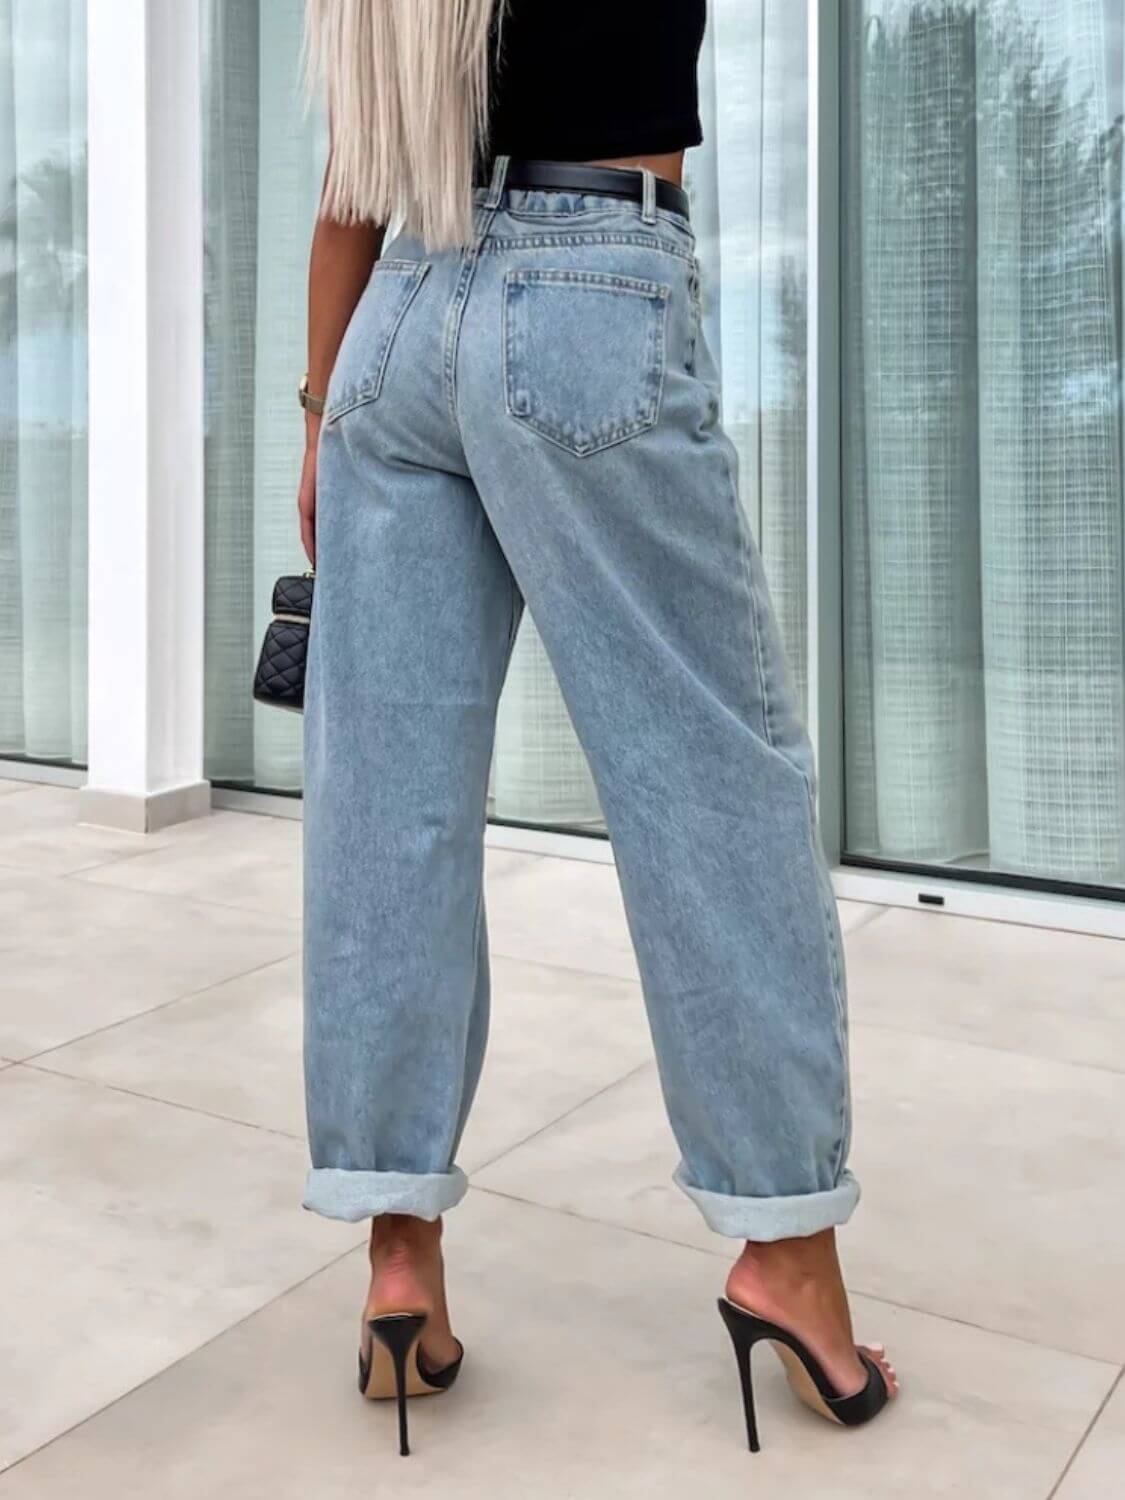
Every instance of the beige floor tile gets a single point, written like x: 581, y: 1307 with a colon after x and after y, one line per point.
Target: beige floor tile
x: 561, y: 911
x: 993, y: 1189
x: 7, y: 787
x: 557, y: 1038
x: 233, y: 1050
x: 1055, y: 994
x: 133, y: 1232
x: 235, y: 859
x: 76, y: 957
x: 1099, y: 1469
x: 988, y: 1178
x: 40, y: 832
x: 611, y: 1160
x: 596, y: 1367
x: 855, y: 914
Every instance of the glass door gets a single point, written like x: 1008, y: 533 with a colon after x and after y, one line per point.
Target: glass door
x: 43, y: 423
x: 982, y: 462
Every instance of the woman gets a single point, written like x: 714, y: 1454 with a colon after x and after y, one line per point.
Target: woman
x: 515, y: 403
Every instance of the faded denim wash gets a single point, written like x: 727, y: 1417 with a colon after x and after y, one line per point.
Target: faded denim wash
x: 537, y: 418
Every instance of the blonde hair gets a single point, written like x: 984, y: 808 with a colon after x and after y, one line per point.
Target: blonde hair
x: 407, y: 85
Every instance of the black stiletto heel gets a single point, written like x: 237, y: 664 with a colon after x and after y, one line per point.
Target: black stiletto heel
x: 806, y: 1374
x: 399, y: 1334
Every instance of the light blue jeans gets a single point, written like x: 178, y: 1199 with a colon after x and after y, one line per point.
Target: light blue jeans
x: 537, y: 418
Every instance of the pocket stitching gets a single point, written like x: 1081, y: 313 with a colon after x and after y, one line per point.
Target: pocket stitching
x: 607, y: 281
x: 371, y: 387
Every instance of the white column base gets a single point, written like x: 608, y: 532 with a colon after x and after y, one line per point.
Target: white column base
x: 135, y: 814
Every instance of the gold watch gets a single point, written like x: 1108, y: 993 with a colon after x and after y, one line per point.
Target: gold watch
x: 312, y: 404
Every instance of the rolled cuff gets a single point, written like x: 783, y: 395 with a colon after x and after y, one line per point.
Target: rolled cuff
x: 768, y: 1219
x: 363, y: 1195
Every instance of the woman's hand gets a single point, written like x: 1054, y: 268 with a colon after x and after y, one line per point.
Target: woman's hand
x: 306, y: 500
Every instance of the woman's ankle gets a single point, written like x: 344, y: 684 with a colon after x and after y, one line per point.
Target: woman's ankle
x: 407, y: 1271
x: 777, y: 1271
x: 390, y: 1232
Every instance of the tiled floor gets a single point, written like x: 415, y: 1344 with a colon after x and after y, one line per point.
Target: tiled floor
x: 172, y: 1324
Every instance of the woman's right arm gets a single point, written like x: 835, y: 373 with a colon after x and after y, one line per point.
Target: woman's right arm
x: 339, y: 268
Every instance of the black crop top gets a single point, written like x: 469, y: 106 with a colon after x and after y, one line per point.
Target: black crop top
x: 579, y: 80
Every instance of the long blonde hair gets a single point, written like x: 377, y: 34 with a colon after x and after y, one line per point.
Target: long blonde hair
x: 407, y: 85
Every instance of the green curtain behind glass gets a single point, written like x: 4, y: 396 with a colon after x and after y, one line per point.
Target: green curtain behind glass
x: 982, y: 420
x: 43, y: 468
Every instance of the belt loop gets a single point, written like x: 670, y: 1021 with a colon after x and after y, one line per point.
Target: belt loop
x: 648, y: 205
x: 499, y: 177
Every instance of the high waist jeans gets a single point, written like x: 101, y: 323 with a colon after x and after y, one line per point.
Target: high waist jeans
x: 537, y: 418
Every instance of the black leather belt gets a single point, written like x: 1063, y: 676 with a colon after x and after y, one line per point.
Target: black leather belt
x: 599, y: 182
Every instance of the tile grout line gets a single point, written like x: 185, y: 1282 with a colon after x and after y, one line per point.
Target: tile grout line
x: 854, y: 1291
x: 865, y: 921
x: 1081, y: 1443
x: 157, y: 848
x: 543, y: 963
x: 153, y: 1010
x: 960, y: 1041
x: 190, y: 1109
x: 180, y: 896
x: 550, y: 1124
x: 79, y: 876
x: 180, y: 1359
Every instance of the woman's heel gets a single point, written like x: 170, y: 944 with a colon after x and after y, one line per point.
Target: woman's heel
x: 743, y: 1337
x: 391, y: 1364
x: 808, y: 1378
x: 398, y: 1333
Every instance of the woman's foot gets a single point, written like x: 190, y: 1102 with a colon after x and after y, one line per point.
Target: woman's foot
x: 798, y: 1285
x: 408, y: 1275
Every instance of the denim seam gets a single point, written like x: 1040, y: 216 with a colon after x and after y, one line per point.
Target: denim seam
x: 753, y: 615
x: 464, y: 1105
x: 371, y: 388
x: 835, y: 974
x: 652, y: 291
x: 458, y: 303
x: 453, y: 329
x: 830, y: 941
x: 513, y: 624
x: 497, y: 245
x: 599, y: 210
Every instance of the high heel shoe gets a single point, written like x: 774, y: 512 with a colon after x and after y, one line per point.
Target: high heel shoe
x: 387, y: 1370
x: 806, y: 1375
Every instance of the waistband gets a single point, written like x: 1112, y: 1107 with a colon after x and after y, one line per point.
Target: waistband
x: 643, y: 186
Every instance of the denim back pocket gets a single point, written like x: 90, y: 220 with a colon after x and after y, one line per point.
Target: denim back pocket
x: 362, y: 361
x: 584, y: 355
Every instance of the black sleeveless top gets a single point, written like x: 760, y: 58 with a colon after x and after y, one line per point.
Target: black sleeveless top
x: 576, y: 80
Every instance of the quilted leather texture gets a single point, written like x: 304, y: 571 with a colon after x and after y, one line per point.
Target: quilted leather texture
x: 280, y: 678
x: 293, y: 595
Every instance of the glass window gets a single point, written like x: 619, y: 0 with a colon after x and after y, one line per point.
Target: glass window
x: 982, y: 303
x: 264, y: 163
x: 43, y: 380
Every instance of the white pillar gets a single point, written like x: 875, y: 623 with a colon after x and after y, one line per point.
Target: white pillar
x: 146, y: 415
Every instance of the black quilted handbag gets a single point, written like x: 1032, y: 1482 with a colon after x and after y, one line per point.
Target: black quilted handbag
x: 280, y: 678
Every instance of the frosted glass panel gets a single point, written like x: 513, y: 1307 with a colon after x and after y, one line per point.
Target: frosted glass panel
x: 43, y: 404
x: 983, y: 488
